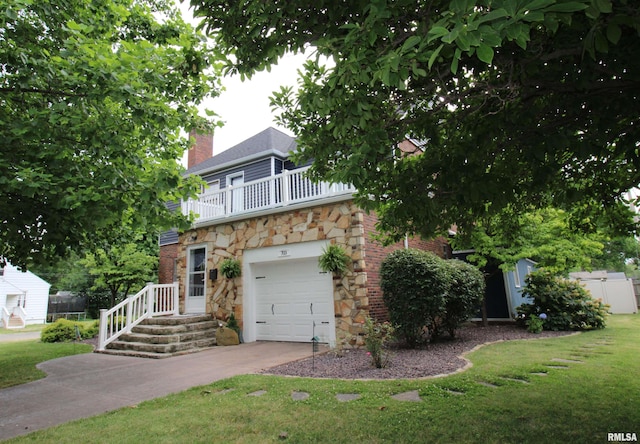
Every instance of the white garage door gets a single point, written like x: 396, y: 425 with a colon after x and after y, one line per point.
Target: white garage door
x: 290, y: 297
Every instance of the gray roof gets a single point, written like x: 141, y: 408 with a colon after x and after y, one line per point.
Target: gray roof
x: 270, y: 142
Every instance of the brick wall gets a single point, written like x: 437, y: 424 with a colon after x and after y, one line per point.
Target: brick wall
x: 166, y: 266
x: 201, y: 150
x: 376, y: 252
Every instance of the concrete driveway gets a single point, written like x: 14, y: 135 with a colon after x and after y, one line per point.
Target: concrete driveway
x: 85, y: 385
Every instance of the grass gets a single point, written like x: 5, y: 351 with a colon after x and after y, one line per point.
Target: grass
x: 27, y: 328
x: 597, y: 392
x: 37, y: 327
x: 18, y: 359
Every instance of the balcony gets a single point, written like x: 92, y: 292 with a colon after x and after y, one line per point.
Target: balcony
x: 291, y: 188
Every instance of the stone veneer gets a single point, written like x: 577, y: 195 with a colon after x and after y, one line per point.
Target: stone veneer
x: 341, y: 223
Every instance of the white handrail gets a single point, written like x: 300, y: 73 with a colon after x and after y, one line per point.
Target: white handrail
x: 284, y: 189
x: 5, y: 317
x: 21, y: 313
x: 152, y: 300
x: 17, y: 312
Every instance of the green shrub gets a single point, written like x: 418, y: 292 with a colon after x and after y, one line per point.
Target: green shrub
x: 535, y: 323
x: 232, y: 323
x: 64, y: 330
x: 465, y: 291
x: 413, y: 284
x: 566, y: 304
x: 375, y: 339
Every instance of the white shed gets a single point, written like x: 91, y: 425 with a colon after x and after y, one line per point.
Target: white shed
x: 24, y: 297
x: 613, y: 288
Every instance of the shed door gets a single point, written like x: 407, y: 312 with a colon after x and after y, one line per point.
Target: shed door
x: 290, y: 297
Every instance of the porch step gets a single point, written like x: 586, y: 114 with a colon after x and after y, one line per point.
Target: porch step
x: 166, y: 336
x: 14, y: 322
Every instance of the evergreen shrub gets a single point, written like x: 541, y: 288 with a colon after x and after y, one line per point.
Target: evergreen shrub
x: 64, y: 330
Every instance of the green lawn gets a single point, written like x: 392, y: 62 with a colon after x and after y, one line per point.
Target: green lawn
x: 597, y: 392
x: 18, y: 359
x: 28, y: 328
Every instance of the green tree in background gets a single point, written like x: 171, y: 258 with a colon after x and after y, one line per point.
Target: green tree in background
x: 121, y: 269
x: 93, y: 98
x: 519, y: 103
x: 546, y: 236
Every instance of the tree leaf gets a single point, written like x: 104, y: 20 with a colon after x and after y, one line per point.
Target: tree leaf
x: 485, y: 53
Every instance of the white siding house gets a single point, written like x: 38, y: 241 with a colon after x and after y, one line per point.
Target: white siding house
x: 24, y: 298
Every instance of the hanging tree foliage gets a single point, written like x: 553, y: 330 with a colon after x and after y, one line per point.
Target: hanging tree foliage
x: 93, y: 98
x: 520, y: 103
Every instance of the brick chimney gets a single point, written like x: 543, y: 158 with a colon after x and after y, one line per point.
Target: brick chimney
x: 201, y: 150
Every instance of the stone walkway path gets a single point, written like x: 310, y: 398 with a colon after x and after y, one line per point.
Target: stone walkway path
x: 556, y: 363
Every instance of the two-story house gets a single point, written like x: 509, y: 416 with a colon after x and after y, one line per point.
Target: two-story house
x: 258, y: 207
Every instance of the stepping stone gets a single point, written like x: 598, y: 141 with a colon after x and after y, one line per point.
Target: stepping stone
x: 257, y: 393
x: 454, y: 392
x: 299, y: 396
x: 539, y: 373
x: 567, y: 361
x: 487, y: 384
x: 412, y: 396
x: 346, y: 397
x: 562, y: 367
x: 515, y: 380
x: 225, y: 391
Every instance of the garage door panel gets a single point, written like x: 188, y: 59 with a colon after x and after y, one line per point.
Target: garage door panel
x: 290, y: 297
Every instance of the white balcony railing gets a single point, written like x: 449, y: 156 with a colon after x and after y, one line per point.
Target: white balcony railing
x: 290, y: 187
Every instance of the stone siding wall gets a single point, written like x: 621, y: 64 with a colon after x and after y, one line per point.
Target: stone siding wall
x: 341, y: 223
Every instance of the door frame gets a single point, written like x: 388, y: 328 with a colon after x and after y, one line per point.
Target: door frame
x: 236, y: 196
x: 280, y: 253
x: 188, y: 308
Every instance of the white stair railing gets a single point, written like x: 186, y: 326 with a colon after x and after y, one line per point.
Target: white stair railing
x: 20, y: 314
x: 152, y: 300
x: 17, y: 314
x: 5, y: 317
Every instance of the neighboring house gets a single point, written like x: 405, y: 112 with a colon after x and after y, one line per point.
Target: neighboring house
x: 260, y: 208
x: 23, y: 298
x: 503, y: 294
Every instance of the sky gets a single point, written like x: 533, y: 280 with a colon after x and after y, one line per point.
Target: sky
x: 244, y: 106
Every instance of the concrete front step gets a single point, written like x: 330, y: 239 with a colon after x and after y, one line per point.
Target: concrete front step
x: 166, y: 336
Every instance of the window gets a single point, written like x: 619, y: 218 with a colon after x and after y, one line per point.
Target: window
x: 211, y: 187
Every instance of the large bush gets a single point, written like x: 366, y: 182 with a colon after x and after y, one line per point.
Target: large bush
x: 465, y: 291
x: 64, y: 330
x: 425, y: 294
x: 413, y: 283
x: 566, y: 304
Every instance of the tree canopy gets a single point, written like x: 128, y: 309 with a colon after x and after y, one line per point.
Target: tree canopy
x: 94, y: 96
x: 517, y: 103
x: 545, y: 236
